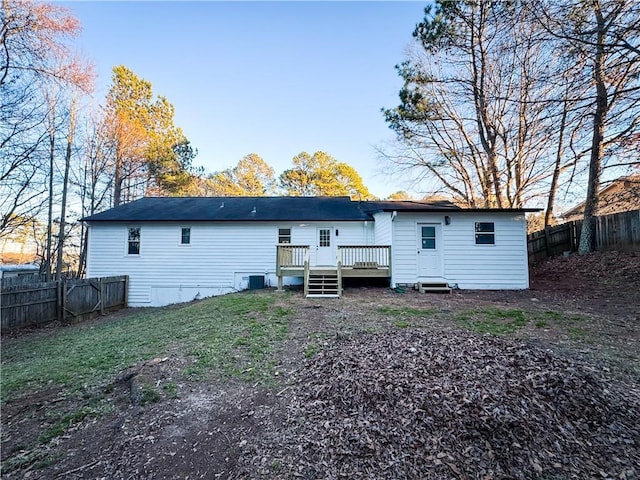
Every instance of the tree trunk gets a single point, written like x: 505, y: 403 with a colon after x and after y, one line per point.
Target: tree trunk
x: 117, y: 180
x: 65, y: 187
x: 556, y: 169
x: 587, y: 235
x: 47, y: 266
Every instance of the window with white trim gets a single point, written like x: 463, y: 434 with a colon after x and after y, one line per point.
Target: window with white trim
x: 284, y: 235
x: 325, y: 237
x: 485, y: 233
x: 185, y: 236
x: 428, y: 238
x: 133, y: 241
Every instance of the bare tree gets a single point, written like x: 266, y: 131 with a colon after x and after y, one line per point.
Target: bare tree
x: 65, y: 185
x: 92, y: 177
x: 604, y: 36
x: 473, y: 109
x: 34, y: 57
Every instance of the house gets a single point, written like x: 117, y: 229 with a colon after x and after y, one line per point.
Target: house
x: 23, y: 270
x: 180, y: 249
x: 621, y: 195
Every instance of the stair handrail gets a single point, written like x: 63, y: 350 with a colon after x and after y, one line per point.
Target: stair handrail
x: 339, y: 278
x: 307, y: 260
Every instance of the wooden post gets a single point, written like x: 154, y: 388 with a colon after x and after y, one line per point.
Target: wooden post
x: 63, y: 303
x: 101, y: 293
x: 126, y: 291
x: 546, y: 242
x: 571, y: 236
x: 390, y: 265
x: 278, y: 268
x: 59, y: 301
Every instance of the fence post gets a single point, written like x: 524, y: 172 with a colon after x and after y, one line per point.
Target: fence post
x: 126, y: 291
x: 59, y: 305
x: 101, y: 293
x: 572, y: 236
x: 546, y: 241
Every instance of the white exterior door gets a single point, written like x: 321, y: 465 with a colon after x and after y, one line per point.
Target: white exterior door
x: 325, y: 246
x: 429, y: 250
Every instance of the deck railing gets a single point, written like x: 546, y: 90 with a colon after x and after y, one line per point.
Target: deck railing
x: 290, y: 256
x: 364, y: 256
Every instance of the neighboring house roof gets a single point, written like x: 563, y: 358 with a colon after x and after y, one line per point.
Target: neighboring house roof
x: 19, y: 268
x: 621, y: 195
x: 281, y: 209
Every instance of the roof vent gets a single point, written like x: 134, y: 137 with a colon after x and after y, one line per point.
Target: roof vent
x: 253, y: 212
x: 222, y: 205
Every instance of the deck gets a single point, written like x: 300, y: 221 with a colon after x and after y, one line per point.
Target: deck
x: 354, y: 261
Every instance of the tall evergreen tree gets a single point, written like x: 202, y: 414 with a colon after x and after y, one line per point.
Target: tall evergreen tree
x: 151, y: 154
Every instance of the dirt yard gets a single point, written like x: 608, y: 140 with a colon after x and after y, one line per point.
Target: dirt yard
x: 578, y: 326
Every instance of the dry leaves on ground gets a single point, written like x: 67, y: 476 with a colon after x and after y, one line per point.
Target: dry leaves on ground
x: 413, y: 404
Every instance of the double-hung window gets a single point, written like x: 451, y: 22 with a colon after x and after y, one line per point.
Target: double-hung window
x: 485, y: 233
x: 185, y: 236
x: 428, y: 238
x: 133, y: 241
x: 284, y: 235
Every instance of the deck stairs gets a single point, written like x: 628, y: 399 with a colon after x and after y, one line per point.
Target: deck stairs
x: 323, y: 282
x: 433, y: 287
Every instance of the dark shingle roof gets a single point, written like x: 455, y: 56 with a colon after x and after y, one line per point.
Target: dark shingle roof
x: 264, y: 209
x: 442, y: 206
x: 216, y: 209
x: 408, y: 206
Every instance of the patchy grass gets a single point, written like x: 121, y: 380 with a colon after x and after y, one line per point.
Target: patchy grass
x: 61, y: 426
x: 559, y: 318
x: 311, y: 349
x: 498, y: 321
x: 171, y: 390
x: 578, y: 334
x: 233, y: 335
x: 244, y: 340
x: 149, y: 394
x: 38, y: 458
x: 493, y: 321
x: 406, y: 311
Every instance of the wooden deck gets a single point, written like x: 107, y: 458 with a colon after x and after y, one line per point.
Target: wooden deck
x: 354, y: 261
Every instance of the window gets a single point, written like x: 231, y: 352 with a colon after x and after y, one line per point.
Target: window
x: 325, y: 237
x: 185, y: 236
x: 133, y: 239
x: 485, y: 233
x: 284, y: 235
x: 429, y: 238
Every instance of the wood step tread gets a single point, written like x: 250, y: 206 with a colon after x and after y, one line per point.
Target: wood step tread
x: 435, y: 287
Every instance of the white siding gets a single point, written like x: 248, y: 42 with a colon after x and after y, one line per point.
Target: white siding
x: 349, y: 233
x: 383, y: 230
x: 219, y: 259
x: 469, y: 266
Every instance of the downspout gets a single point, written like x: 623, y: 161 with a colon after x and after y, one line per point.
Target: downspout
x: 394, y: 214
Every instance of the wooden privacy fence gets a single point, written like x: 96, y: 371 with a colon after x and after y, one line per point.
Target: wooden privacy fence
x: 40, y: 302
x: 619, y: 230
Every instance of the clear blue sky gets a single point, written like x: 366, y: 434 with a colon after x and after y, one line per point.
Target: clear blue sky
x: 274, y: 78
